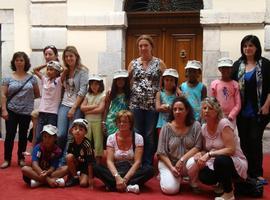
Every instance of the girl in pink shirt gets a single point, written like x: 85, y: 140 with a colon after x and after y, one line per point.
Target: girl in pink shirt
x: 226, y: 90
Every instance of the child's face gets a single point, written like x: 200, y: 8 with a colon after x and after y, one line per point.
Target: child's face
x: 19, y: 62
x: 120, y: 82
x: 225, y: 72
x: 51, y: 72
x: 169, y: 83
x: 78, y: 133
x: 193, y: 74
x: 48, y: 140
x: 95, y: 85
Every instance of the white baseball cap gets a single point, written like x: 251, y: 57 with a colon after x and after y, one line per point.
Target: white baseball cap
x: 94, y: 77
x: 50, y: 129
x: 225, y: 62
x: 170, y: 72
x: 55, y: 65
x: 80, y: 121
x: 120, y: 74
x: 193, y: 64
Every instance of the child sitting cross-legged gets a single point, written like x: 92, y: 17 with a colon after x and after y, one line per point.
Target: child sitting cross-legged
x: 45, y: 160
x: 80, y: 156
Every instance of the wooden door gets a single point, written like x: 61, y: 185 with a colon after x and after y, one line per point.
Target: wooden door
x: 173, y: 43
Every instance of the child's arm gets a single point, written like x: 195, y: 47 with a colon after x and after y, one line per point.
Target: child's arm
x: 90, y: 176
x: 107, y: 106
x: 37, y: 168
x: 37, y: 71
x: 159, y: 106
x: 99, y: 109
x: 236, y: 109
x: 85, y: 108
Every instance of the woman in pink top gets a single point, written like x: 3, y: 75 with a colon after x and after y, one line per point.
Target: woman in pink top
x: 227, y: 90
x: 222, y: 158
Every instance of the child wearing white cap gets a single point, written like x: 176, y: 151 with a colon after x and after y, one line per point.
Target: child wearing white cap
x: 194, y: 90
x: 227, y: 90
x: 165, y: 96
x: 50, y: 95
x: 93, y: 106
x: 45, y: 161
x: 80, y: 156
x: 116, y: 99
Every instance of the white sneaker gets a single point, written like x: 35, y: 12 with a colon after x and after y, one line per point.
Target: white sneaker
x: 226, y: 196
x: 60, y: 182
x: 78, y: 173
x: 133, y: 188
x: 34, y: 183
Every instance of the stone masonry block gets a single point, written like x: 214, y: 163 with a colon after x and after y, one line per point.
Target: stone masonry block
x: 6, y: 16
x: 41, y: 37
x: 211, y: 39
x: 7, y: 32
x: 267, y: 38
x: 48, y: 1
x: 115, y: 40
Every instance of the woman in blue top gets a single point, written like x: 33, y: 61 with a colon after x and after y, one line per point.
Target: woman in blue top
x: 18, y: 94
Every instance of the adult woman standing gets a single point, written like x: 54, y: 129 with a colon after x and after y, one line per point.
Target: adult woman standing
x: 145, y: 73
x: 124, y: 156
x: 222, y: 158
x: 75, y: 88
x: 179, y: 140
x: 18, y: 93
x: 252, y: 71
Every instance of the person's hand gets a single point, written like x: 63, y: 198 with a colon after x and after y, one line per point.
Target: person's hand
x: 174, y: 171
x: 71, y: 113
x: 51, y: 182
x: 91, y: 183
x: 197, y: 156
x: 179, y: 165
x: 120, y: 184
x: 264, y: 109
x: 5, y: 114
x: 44, y: 173
x: 201, y: 162
x: 165, y: 107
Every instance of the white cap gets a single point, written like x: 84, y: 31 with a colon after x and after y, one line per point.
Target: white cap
x: 55, y: 64
x: 193, y: 64
x: 50, y: 129
x: 120, y: 74
x: 80, y: 121
x: 94, y: 77
x: 170, y: 72
x: 225, y: 62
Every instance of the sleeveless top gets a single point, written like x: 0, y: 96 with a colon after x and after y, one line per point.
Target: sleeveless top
x: 117, y: 104
x: 145, y: 84
x: 163, y: 116
x: 194, y: 96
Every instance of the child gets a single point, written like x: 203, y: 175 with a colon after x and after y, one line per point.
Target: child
x: 116, y: 100
x: 165, y: 97
x: 45, y: 160
x: 194, y: 90
x: 93, y: 106
x: 80, y: 156
x: 226, y: 90
x: 51, y: 95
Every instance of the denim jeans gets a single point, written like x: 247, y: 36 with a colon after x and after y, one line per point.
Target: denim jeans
x: 144, y: 124
x: 44, y: 119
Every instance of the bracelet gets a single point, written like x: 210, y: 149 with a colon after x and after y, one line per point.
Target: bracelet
x: 182, y: 160
x: 209, y: 154
x: 116, y: 174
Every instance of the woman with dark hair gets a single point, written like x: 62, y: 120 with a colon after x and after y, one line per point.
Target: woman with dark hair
x: 18, y: 94
x: 50, y: 53
x: 124, y: 156
x: 145, y: 73
x: 252, y: 71
x: 179, y: 140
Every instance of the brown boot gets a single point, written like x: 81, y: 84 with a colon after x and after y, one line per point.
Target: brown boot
x: 5, y: 164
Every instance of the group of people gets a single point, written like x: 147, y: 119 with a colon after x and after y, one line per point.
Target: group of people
x: 197, y: 135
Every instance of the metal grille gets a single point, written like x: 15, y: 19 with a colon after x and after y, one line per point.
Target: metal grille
x: 163, y: 5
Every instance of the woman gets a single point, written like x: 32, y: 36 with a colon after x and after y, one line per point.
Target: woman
x: 124, y: 156
x: 222, y: 158
x: 179, y: 140
x: 145, y: 73
x: 18, y: 94
x: 252, y: 71
x: 75, y: 88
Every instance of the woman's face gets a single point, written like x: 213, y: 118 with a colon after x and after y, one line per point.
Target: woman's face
x: 179, y: 110
x: 208, y: 112
x: 249, y: 49
x: 70, y: 59
x: 19, y: 62
x: 145, y: 48
x: 49, y: 55
x: 123, y: 123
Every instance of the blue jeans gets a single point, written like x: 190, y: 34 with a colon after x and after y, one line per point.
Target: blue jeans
x: 44, y: 119
x: 144, y: 124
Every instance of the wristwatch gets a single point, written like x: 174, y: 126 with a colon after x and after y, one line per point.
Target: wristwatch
x: 182, y: 160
